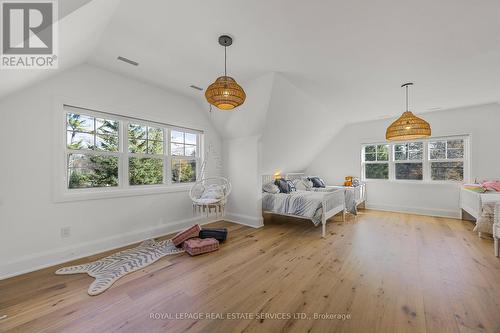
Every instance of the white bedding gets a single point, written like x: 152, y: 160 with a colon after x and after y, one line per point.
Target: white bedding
x: 306, y: 204
x: 351, y: 195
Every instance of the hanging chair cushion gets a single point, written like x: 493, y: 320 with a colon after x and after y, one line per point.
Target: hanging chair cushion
x: 184, y: 235
x: 204, y: 202
x: 213, y: 191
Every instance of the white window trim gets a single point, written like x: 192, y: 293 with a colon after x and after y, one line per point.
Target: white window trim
x: 426, y: 162
x: 60, y: 191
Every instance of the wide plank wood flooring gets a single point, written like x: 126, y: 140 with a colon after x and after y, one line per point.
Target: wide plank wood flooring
x: 378, y: 272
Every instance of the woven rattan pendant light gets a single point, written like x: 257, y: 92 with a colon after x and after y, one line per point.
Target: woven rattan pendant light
x: 225, y: 93
x: 408, y: 126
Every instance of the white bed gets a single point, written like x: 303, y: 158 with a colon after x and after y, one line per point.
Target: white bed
x: 354, y: 196
x: 329, y: 205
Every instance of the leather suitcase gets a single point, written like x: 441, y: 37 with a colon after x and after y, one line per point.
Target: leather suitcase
x: 219, y: 234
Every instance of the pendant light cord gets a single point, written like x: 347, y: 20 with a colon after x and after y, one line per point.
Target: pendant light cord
x: 225, y: 61
x: 406, y: 98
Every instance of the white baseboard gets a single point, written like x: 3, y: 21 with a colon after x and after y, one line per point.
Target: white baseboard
x: 415, y: 210
x: 45, y: 259
x: 250, y: 221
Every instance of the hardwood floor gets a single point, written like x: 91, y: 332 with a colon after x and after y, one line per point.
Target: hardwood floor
x: 384, y: 272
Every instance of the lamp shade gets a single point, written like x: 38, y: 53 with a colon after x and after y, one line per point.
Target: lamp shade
x: 225, y: 93
x: 408, y: 127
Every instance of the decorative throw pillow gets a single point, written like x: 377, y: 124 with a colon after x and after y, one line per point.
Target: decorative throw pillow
x: 355, y: 182
x: 291, y: 186
x: 307, y: 182
x: 184, y: 235
x: 270, y: 188
x: 282, y: 185
x: 301, y: 184
x: 196, y: 246
x: 317, y: 182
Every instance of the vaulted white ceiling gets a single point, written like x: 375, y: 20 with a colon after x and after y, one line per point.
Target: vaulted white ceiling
x: 348, y: 57
x: 352, y: 56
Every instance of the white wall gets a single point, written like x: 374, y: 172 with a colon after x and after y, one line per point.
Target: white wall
x: 295, y: 128
x: 242, y: 166
x: 342, y: 157
x: 30, y: 221
x: 279, y: 127
x: 248, y: 119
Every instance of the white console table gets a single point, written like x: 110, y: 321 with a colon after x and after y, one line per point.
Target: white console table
x: 496, y: 230
x: 472, y: 202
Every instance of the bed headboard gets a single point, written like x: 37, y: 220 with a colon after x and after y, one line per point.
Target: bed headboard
x: 267, y: 179
x: 289, y: 176
x: 294, y: 175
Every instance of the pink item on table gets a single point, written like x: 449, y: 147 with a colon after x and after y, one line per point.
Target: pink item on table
x: 492, y: 185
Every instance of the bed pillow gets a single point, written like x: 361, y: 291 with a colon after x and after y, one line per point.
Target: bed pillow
x: 291, y: 186
x: 301, y: 184
x: 282, y: 185
x: 317, y: 182
x: 270, y: 188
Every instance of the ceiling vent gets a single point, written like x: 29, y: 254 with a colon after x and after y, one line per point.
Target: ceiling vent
x: 128, y: 61
x: 196, y: 87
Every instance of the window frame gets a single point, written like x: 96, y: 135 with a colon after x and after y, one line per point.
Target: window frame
x: 426, y: 161
x: 61, y: 192
x: 464, y: 159
x: 364, y: 163
x: 183, y: 157
x: 392, y: 152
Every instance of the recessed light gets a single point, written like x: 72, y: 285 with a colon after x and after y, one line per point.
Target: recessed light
x: 195, y: 87
x: 434, y: 108
x: 128, y: 61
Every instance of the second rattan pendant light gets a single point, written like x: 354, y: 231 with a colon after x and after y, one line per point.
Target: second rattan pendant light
x: 225, y: 93
x: 408, y: 126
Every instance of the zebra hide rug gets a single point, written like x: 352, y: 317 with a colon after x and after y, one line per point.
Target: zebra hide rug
x: 109, y: 269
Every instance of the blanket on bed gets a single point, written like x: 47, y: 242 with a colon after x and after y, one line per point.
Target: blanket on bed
x: 350, y: 196
x: 301, y: 203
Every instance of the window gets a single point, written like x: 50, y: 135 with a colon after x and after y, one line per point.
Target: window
x: 447, y: 159
x: 116, y: 152
x: 146, y: 158
x: 91, y: 155
x: 437, y: 159
x: 408, y: 160
x: 183, y: 148
x: 376, y: 159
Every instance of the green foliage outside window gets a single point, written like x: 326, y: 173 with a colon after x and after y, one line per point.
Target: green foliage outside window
x: 377, y: 171
x: 89, y: 170
x: 145, y: 171
x: 88, y: 167
x: 183, y: 171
